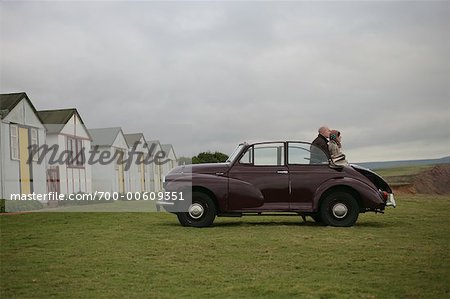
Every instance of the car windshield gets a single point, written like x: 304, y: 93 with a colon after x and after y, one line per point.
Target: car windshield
x: 235, y: 153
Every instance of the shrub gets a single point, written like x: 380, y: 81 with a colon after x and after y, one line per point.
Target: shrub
x: 22, y: 205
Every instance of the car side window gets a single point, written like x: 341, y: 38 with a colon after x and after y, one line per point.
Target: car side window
x: 265, y: 154
x: 247, y: 158
x: 305, y: 154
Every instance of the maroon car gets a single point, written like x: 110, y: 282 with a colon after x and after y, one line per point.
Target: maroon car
x: 276, y: 178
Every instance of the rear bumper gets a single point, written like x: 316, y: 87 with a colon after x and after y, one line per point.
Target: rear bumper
x: 390, y: 202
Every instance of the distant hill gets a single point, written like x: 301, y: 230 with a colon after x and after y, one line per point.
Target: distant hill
x: 404, y: 163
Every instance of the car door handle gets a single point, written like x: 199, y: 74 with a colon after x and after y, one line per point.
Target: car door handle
x: 282, y: 172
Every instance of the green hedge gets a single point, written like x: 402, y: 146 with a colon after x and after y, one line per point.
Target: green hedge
x: 22, y: 205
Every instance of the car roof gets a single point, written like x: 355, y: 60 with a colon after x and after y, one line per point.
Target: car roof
x: 275, y: 141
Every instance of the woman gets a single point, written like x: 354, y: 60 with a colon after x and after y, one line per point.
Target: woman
x: 334, y: 146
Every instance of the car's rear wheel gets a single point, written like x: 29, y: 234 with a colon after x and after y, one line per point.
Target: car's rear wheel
x: 339, y: 209
x: 200, y: 213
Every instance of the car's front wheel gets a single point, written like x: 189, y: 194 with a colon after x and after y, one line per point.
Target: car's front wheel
x: 200, y: 213
x: 339, y: 209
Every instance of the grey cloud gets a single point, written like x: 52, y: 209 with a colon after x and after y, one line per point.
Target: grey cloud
x: 232, y: 71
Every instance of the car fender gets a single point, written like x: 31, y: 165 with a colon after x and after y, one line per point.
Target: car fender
x: 220, y: 186
x: 369, y: 197
x: 215, y: 184
x: 243, y: 195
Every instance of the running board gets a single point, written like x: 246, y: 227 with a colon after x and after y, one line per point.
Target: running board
x: 272, y: 214
x: 261, y: 214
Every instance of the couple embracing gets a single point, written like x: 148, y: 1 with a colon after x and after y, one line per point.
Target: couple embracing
x: 329, y: 141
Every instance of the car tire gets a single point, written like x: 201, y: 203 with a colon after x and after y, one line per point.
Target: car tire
x: 339, y: 209
x: 201, y: 213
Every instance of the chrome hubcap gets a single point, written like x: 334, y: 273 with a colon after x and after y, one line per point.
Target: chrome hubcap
x: 196, y: 210
x: 339, y: 210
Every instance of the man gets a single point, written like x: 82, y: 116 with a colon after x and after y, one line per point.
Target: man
x: 320, y: 146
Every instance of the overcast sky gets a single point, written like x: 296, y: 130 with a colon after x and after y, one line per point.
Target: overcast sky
x: 208, y: 75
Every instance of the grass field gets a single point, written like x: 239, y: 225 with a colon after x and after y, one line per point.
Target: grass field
x: 402, y: 175
x: 403, y: 253
x: 402, y: 171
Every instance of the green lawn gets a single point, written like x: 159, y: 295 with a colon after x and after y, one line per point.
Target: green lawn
x: 402, y: 171
x: 403, y: 253
x: 402, y: 175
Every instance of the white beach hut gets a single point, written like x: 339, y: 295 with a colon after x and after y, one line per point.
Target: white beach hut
x: 20, y: 127
x: 170, y: 159
x: 154, y: 147
x: 139, y: 180
x: 66, y: 129
x: 111, y: 176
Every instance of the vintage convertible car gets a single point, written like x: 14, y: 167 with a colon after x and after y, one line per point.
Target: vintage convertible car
x: 276, y: 178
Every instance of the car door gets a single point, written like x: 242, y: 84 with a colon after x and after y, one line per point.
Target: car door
x: 260, y: 179
x: 306, y: 174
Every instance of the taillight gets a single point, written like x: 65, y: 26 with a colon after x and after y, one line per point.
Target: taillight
x: 385, y: 194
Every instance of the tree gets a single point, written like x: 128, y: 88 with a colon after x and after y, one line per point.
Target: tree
x: 208, y: 157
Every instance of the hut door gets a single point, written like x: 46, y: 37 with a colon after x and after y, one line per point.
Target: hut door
x: 25, y: 167
x: 121, y: 174
x: 142, y: 167
x: 53, y: 180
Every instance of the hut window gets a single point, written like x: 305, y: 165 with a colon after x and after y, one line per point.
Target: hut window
x: 14, y: 141
x: 76, y: 152
x: 34, y: 141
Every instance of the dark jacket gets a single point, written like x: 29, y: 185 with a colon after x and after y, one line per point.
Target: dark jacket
x: 319, y: 149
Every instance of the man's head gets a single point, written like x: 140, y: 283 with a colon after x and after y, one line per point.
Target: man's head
x: 324, y: 131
